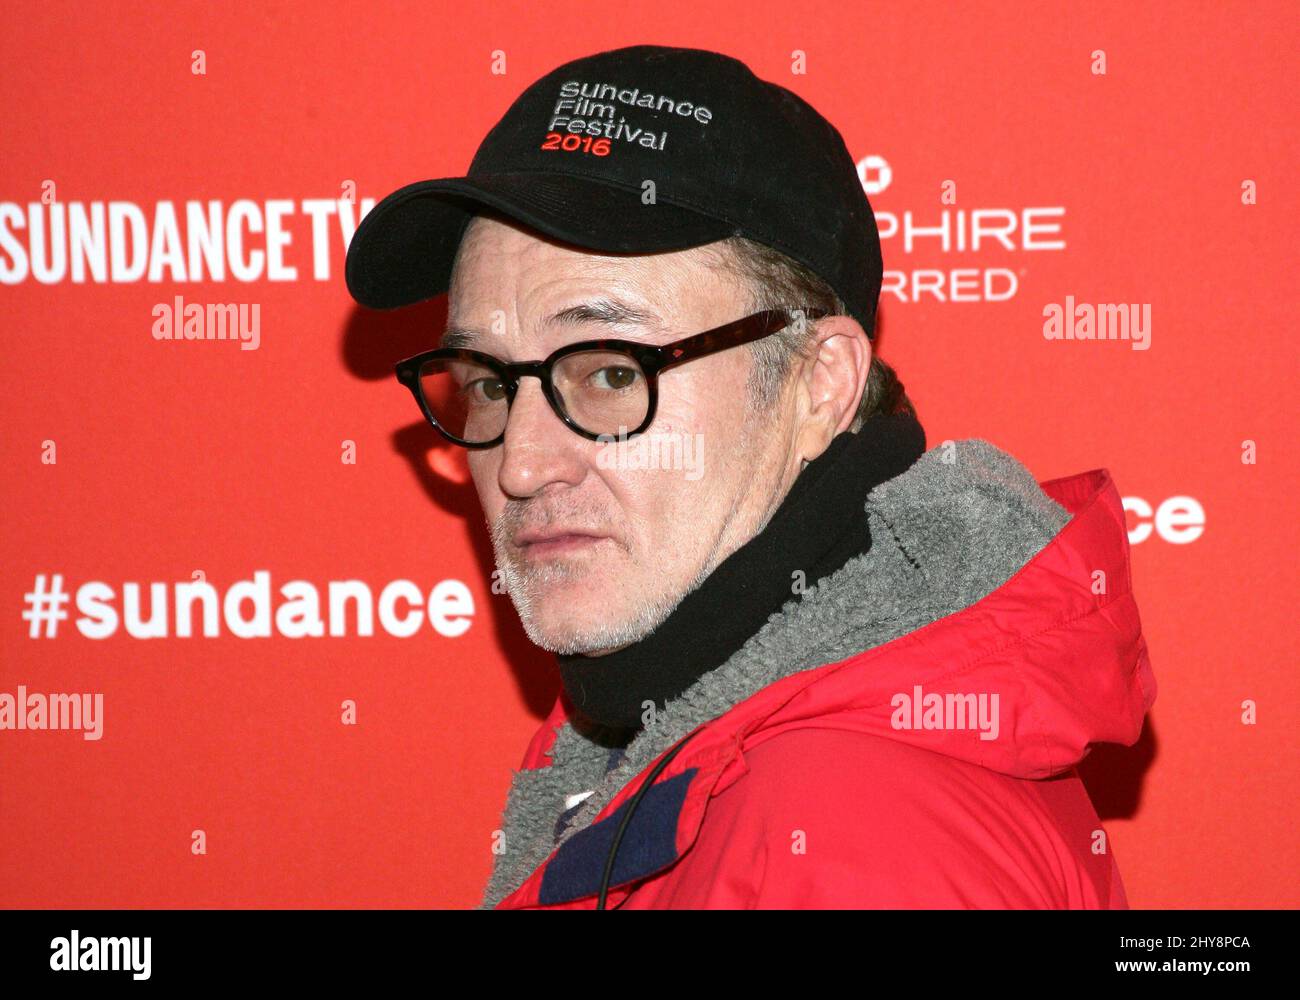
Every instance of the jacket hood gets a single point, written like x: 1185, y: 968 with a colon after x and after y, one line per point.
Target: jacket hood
x: 992, y: 620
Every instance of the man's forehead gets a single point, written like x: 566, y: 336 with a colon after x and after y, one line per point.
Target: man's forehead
x: 603, y: 310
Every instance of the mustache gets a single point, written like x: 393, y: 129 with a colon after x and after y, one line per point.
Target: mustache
x: 532, y: 515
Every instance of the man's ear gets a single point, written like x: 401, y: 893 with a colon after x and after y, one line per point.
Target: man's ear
x: 833, y: 377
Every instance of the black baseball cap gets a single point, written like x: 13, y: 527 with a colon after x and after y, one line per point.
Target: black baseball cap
x: 639, y: 150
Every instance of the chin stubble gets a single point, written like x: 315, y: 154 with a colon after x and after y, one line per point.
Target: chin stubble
x: 526, y: 581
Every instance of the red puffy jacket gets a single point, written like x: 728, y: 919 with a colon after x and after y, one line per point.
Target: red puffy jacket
x: 846, y: 785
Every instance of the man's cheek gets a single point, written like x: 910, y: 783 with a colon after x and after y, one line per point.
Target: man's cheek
x: 483, y: 473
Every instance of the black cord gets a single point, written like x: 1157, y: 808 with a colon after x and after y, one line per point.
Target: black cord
x: 627, y: 818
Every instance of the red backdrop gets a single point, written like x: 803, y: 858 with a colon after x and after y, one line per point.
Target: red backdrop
x: 1134, y: 154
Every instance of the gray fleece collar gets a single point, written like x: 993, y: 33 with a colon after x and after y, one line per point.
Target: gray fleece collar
x: 947, y: 532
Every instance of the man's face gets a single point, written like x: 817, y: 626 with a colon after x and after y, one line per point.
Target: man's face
x: 647, y: 536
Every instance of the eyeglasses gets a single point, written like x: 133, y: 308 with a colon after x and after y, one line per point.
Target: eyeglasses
x: 599, y: 388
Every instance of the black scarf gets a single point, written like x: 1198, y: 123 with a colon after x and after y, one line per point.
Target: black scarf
x: 819, y: 526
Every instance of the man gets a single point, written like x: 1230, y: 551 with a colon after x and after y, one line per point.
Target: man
x: 805, y: 662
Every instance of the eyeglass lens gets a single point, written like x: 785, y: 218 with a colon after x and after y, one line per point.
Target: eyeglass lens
x: 603, y: 392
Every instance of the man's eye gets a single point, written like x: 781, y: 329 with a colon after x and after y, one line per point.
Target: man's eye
x: 484, y: 390
x: 614, y: 377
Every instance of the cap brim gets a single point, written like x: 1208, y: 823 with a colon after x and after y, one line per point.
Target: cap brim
x: 403, y: 249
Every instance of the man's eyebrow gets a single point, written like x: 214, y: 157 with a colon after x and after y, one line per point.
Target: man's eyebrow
x: 457, y: 336
x: 610, y: 312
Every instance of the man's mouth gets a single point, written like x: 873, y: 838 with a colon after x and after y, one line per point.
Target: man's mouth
x: 552, y: 542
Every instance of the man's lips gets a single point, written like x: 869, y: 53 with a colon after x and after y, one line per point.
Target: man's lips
x: 536, y: 543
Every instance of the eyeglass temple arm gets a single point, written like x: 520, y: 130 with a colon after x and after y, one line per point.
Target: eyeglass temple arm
x: 741, y: 331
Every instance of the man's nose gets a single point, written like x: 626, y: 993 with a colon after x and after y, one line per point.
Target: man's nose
x: 538, y: 448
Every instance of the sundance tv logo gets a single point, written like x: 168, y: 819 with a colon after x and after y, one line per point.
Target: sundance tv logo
x: 121, y: 242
